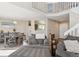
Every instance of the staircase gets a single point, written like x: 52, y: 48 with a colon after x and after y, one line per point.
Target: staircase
x: 73, y: 31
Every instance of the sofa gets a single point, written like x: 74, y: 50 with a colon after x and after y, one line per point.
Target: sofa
x: 61, y: 50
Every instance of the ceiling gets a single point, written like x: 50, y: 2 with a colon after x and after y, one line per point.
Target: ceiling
x: 24, y: 5
x: 60, y: 18
x: 18, y: 11
x: 24, y: 11
x: 27, y: 5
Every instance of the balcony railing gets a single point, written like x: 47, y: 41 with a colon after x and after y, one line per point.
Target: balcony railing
x: 54, y: 7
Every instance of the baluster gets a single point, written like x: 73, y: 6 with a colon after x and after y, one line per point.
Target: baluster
x: 75, y: 32
x: 55, y: 8
x: 75, y: 4
x: 63, y: 6
x: 68, y: 5
x: 71, y: 5
x: 72, y: 33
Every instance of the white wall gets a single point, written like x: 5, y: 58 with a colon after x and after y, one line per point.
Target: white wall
x: 63, y: 27
x: 74, y: 19
x: 21, y: 26
x: 53, y: 27
x: 74, y: 16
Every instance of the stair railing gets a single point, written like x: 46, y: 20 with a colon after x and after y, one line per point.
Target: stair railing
x: 72, y: 31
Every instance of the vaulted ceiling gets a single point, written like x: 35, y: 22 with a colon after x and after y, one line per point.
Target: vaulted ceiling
x: 13, y: 11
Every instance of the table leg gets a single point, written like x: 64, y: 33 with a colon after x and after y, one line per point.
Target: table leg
x: 5, y: 42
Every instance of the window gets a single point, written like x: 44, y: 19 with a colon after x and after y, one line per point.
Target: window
x: 50, y: 6
x: 7, y: 24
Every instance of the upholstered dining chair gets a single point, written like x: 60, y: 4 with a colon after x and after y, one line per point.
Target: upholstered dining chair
x: 11, y: 41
